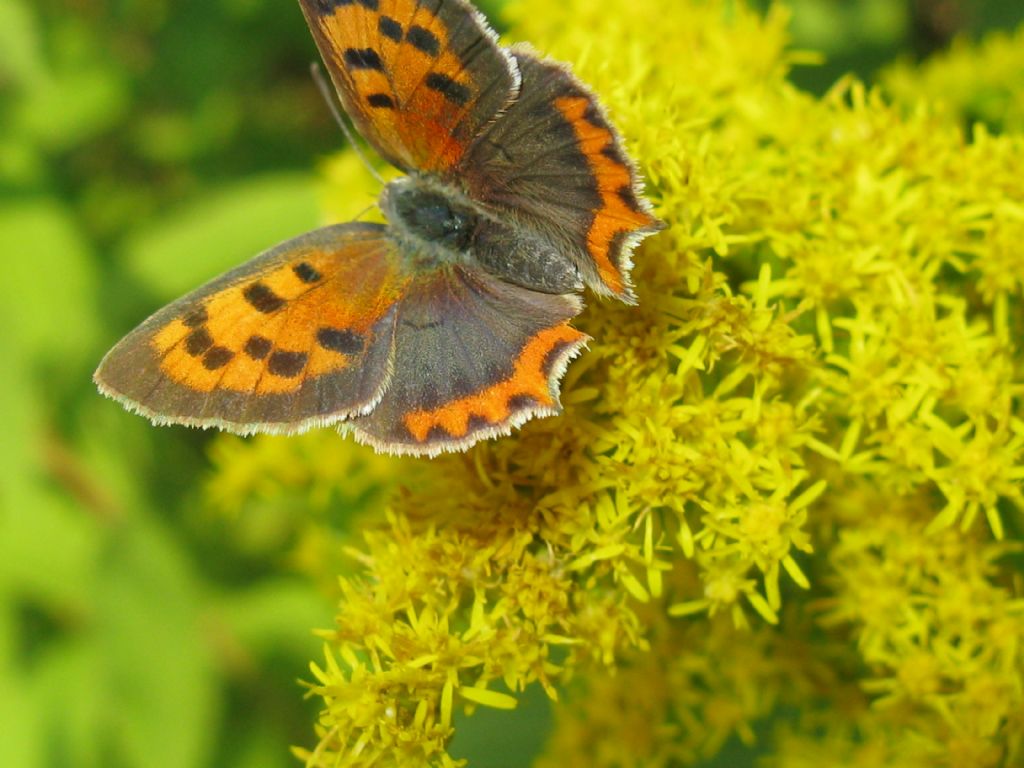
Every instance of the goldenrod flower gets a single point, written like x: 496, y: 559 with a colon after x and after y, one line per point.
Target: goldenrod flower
x: 969, y: 82
x: 790, y: 477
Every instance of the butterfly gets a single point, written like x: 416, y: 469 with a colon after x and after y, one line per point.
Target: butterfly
x: 448, y: 324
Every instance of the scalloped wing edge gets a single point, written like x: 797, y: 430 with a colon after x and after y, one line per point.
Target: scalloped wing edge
x: 515, y: 421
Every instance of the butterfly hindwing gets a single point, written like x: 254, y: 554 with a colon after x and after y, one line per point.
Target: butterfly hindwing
x: 554, y: 162
x: 420, y: 78
x: 301, y: 335
x: 479, y: 356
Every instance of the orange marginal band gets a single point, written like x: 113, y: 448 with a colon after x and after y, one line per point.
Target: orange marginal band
x: 619, y: 214
x: 529, y: 378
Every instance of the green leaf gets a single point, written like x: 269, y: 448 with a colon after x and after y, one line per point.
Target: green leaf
x: 220, y: 230
x: 161, y: 709
x: 73, y: 95
x: 277, y: 615
x: 47, y: 544
x: 71, y: 107
x: 127, y: 673
x: 22, y: 740
x: 260, y: 748
x: 50, y: 282
x: 500, y: 739
x: 20, y: 51
x: 19, y: 403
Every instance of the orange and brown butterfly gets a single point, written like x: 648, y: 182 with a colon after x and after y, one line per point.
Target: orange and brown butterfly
x: 448, y: 324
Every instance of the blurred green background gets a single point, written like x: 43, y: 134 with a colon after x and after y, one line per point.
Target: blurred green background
x: 145, y: 146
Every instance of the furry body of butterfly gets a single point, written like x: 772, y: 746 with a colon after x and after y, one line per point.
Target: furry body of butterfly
x: 450, y: 323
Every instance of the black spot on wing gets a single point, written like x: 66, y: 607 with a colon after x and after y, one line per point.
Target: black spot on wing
x: 380, y: 101
x: 455, y: 92
x: 476, y: 422
x: 612, y: 152
x: 196, y: 317
x: 437, y: 434
x: 552, y: 357
x: 306, y: 272
x: 628, y: 196
x: 616, y: 247
x: 423, y: 39
x: 593, y: 116
x: 287, y: 364
x: 390, y: 28
x: 363, y: 58
x: 217, y: 357
x: 518, y: 403
x: 343, y: 340
x: 262, y: 298
x: 258, y: 347
x: 197, y: 342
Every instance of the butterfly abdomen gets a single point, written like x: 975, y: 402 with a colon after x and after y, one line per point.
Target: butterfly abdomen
x: 529, y: 259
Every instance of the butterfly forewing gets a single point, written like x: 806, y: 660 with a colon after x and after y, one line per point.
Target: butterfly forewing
x: 299, y: 336
x: 420, y: 78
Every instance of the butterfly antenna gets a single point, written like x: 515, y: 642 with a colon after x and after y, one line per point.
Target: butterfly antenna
x: 325, y: 91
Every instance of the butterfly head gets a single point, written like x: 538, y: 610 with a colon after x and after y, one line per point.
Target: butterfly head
x: 429, y: 217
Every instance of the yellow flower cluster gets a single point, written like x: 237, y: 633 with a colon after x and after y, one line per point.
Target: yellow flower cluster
x: 791, y: 478
x: 969, y: 82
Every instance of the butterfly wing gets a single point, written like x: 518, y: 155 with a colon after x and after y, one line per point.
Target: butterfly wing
x: 481, y: 357
x: 420, y: 78
x: 555, y: 163
x: 300, y: 336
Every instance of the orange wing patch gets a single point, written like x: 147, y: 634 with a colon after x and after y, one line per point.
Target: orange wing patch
x: 267, y: 334
x: 429, y: 84
x: 419, y: 81
x: 621, y: 213
x: 530, y: 379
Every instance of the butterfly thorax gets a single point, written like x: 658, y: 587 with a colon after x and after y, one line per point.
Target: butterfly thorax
x: 435, y: 225
x: 429, y: 220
